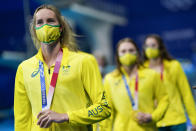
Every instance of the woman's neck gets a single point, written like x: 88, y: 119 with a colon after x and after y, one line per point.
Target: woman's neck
x: 131, y: 70
x: 155, y: 62
x: 50, y: 53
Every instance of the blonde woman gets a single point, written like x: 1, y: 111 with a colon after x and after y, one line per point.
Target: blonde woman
x: 132, y: 91
x: 60, y: 87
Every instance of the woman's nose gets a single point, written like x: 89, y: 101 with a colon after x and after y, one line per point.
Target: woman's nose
x: 45, y: 22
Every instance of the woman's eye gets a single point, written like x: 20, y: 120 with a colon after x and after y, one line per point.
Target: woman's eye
x: 123, y: 51
x: 39, y: 21
x: 154, y: 45
x: 131, y: 50
x: 50, y: 20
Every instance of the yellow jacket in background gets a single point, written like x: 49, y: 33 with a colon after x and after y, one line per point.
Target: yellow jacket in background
x: 123, y: 117
x: 78, y: 92
x: 179, y: 93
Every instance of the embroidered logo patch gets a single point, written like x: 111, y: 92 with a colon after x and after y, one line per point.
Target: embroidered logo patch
x: 66, y: 69
x: 35, y: 73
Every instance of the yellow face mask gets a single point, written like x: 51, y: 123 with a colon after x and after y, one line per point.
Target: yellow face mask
x: 128, y: 59
x: 152, y: 53
x: 47, y: 34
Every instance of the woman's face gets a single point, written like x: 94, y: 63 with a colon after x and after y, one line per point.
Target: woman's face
x: 45, y: 16
x: 151, y: 42
x: 126, y: 47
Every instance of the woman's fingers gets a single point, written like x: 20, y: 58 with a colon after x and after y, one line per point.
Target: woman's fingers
x: 143, y: 118
x: 140, y: 119
x: 148, y: 118
x: 41, y: 113
x: 140, y: 115
x: 45, y: 118
x: 42, y: 116
x: 43, y: 122
x: 48, y: 123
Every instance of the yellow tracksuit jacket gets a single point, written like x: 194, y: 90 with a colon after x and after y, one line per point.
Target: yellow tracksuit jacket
x: 179, y: 93
x: 123, y: 117
x: 78, y: 92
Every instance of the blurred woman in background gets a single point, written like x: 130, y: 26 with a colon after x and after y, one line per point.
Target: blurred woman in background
x: 171, y: 73
x: 70, y: 78
x: 131, y: 91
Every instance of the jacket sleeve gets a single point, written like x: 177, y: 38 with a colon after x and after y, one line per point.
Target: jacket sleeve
x: 107, y: 124
x: 186, y: 94
x: 22, y: 107
x: 92, y: 81
x: 161, y: 98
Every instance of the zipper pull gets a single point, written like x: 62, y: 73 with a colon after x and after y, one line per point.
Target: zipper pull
x: 48, y: 71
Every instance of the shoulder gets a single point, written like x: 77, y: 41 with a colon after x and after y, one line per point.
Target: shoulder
x: 172, y: 64
x: 81, y: 57
x: 175, y: 63
x: 110, y: 80
x: 146, y: 64
x: 112, y: 75
x: 28, y: 62
x: 148, y: 73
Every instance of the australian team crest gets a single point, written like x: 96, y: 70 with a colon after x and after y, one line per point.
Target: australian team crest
x: 66, y: 69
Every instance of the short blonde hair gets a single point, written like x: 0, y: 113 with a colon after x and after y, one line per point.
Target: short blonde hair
x: 67, y: 36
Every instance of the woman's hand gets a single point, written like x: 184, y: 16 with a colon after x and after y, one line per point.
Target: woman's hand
x: 194, y: 128
x: 144, y: 118
x: 45, y: 118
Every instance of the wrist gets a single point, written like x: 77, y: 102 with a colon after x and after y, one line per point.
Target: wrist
x: 65, y: 117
